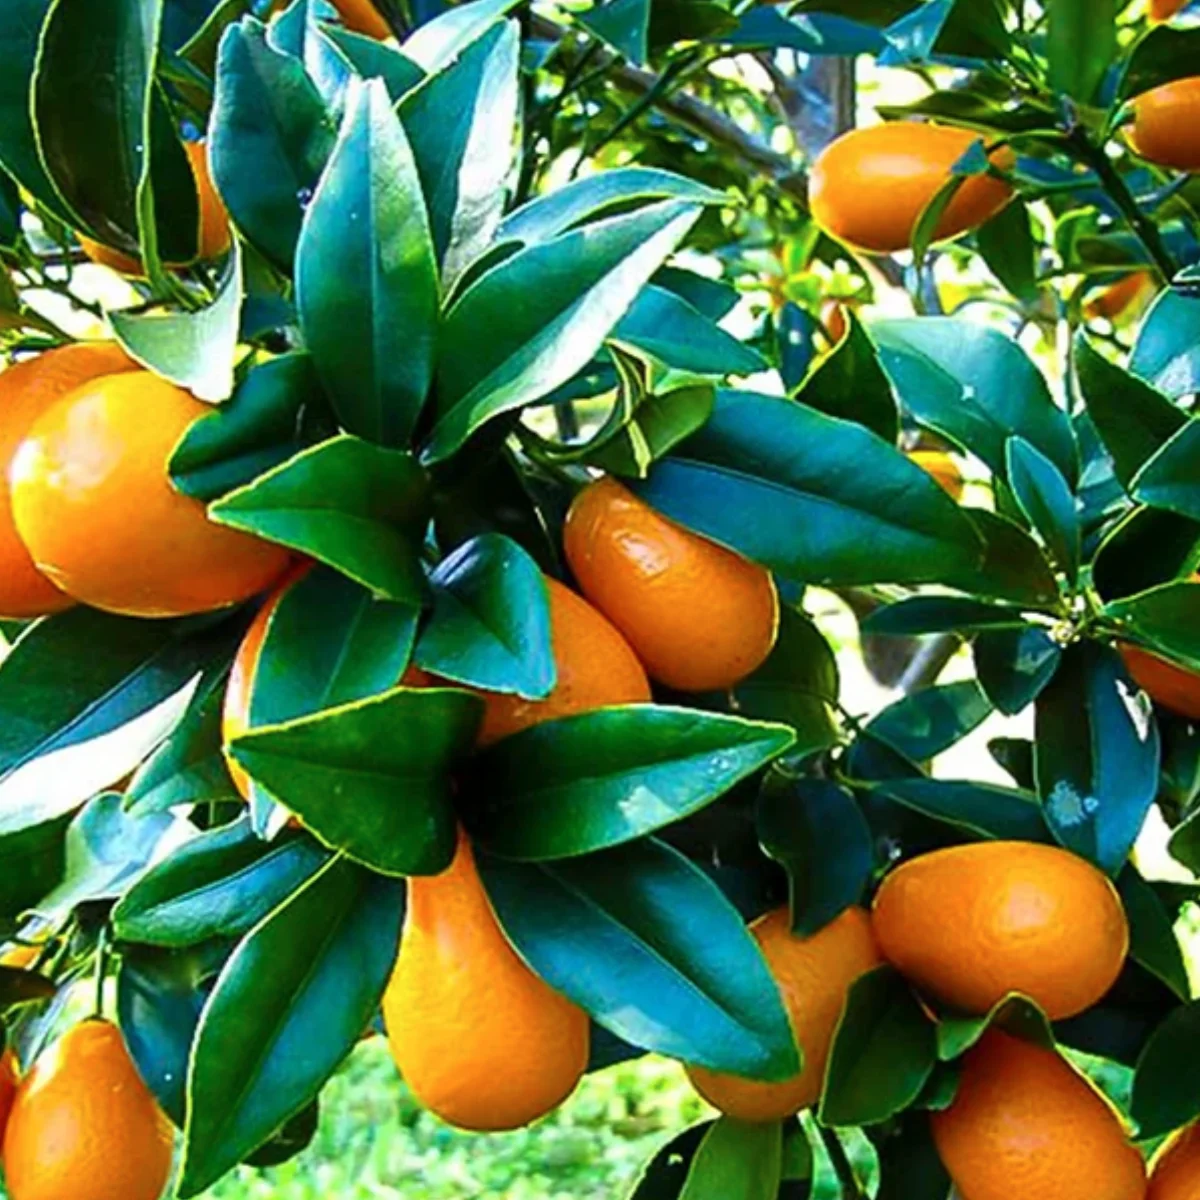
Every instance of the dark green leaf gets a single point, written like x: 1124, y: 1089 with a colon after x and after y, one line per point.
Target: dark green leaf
x: 1007, y: 245
x: 1152, y: 940
x: 909, y: 1165
x: 1166, y: 1090
x: 1164, y: 618
x: 32, y: 861
x: 1169, y: 479
x: 979, y: 809
x: 768, y: 477
x: 366, y: 275
x: 19, y: 986
x: 373, y: 59
x: 936, y: 614
x: 883, y: 1052
x: 663, y: 1176
x: 623, y: 24
x: 659, y: 422
x: 1097, y: 755
x: 1167, y: 351
x: 1014, y: 665
x: 586, y: 782
x: 1081, y: 43
x: 1015, y: 756
x: 647, y: 944
x: 1147, y: 548
x: 816, y: 830
x: 736, y: 1161
x: 1014, y: 566
x: 1165, y: 54
x: 933, y: 719
x: 1046, y: 499
x: 361, y: 509
x: 1014, y: 1014
x: 288, y: 1006
x: 491, y: 620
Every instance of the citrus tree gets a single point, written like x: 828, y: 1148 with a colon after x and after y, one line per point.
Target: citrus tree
x: 407, y: 581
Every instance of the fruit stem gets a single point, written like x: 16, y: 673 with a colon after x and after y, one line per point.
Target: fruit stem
x: 102, y: 955
x: 851, y: 1189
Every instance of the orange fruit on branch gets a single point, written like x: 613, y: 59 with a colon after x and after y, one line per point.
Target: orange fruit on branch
x: 943, y: 468
x: 1024, y: 1122
x: 8, y: 1091
x: 359, y: 16
x: 480, y: 1039
x: 1174, y: 687
x: 27, y: 390
x: 970, y: 924
x: 85, y: 1126
x: 213, y: 238
x: 1175, y: 1168
x: 1166, y: 124
x: 95, y: 508
x: 870, y: 186
x: 698, y: 616
x: 814, y: 975
x: 1164, y: 10
x: 1119, y: 297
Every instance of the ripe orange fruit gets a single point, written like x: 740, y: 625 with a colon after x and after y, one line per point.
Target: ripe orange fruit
x: 814, y: 975
x: 1164, y: 10
x: 1172, y: 686
x: 28, y: 389
x: 480, y: 1039
x: 8, y: 1091
x: 969, y: 924
x: 1175, y: 1168
x: 1119, y: 297
x: 1026, y: 1123
x: 363, y: 17
x: 869, y: 187
x: 94, y: 505
x: 833, y: 318
x: 85, y: 1126
x: 698, y: 616
x: 20, y: 958
x: 1166, y: 125
x: 214, y: 222
x: 943, y: 468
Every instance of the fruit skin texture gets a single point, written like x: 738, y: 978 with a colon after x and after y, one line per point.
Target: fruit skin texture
x: 214, y: 222
x: 1175, y: 1169
x: 94, y: 506
x: 1118, y: 297
x: 943, y: 468
x: 1026, y: 1123
x: 482, y: 1041
x: 869, y: 187
x: 8, y: 1092
x: 1166, y: 125
x: 969, y: 924
x: 27, y: 390
x: 814, y: 975
x: 698, y: 616
x: 1172, y: 686
x: 85, y: 1126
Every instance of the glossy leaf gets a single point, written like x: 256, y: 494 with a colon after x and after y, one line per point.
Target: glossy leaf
x: 1097, y: 755
x: 1015, y: 1014
x: 1014, y: 665
x: 1081, y: 44
x: 32, y: 861
x: 373, y: 59
x: 977, y: 809
x: 926, y: 722
x: 1166, y: 1092
x: 663, y: 1176
x: 736, y: 1160
x: 642, y: 940
x: 597, y: 779
x: 767, y: 477
x: 361, y: 509
x: 815, y: 829
x: 1164, y: 618
x: 1168, y: 479
x: 910, y: 1167
x: 622, y: 24
x: 548, y: 310
x: 286, y: 1009
x: 271, y: 136
x: 437, y: 43
x: 1164, y: 54
x: 491, y: 620
x: 1046, y: 499
x: 882, y: 1054
x: 219, y: 884
x: 1007, y: 244
x: 1167, y: 351
x: 1014, y: 566
x: 366, y: 275
x: 1148, y: 548
x: 936, y: 614
x: 359, y: 787
x: 1152, y: 940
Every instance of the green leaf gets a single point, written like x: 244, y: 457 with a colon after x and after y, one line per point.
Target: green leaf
x: 767, y: 477
x: 299, y: 31
x: 669, y: 329
x: 981, y: 810
x: 19, y: 986
x: 1168, y: 479
x: 373, y: 59
x: 1097, y: 755
x: 1007, y: 245
x: 736, y: 1161
x: 1166, y: 1091
x: 1015, y: 665
x: 103, y: 154
x: 924, y: 723
x: 437, y: 43
x: 32, y: 861
x: 1046, y: 499
x: 460, y: 124
x: 1152, y: 940
x: 851, y: 384
x: 287, y: 1008
x: 1147, y: 548
x: 583, y: 783
x: 1167, y: 351
x: 883, y: 1052
x: 910, y: 1167
x: 937, y: 614
x: 366, y: 276
x: 547, y: 310
x: 1081, y: 44
x: 1164, y: 54
x: 491, y: 620
x: 604, y: 194
x: 361, y: 509
x: 1163, y: 618
x: 974, y: 386
x: 659, y: 422
x: 663, y: 1176
x: 1015, y: 1014
x: 622, y: 24
x: 615, y: 931
x: 196, y: 350
x: 271, y: 136
x: 85, y: 696
x: 218, y: 884
x: 1133, y: 419
x: 816, y: 831
x: 255, y: 432
x: 1014, y: 566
